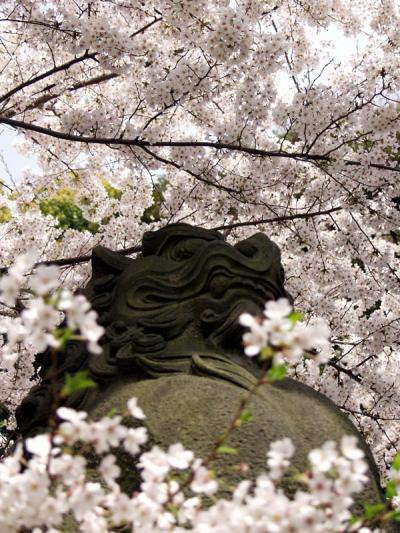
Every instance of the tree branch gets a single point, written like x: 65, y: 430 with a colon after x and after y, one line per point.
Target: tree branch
x: 141, y: 30
x: 64, y: 66
x: 277, y: 219
x: 79, y: 85
x: 112, y: 141
x: 68, y: 261
x: 229, y: 190
x: 345, y: 370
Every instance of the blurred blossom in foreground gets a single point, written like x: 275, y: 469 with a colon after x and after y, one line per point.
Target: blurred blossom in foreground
x: 280, y: 335
x: 176, y: 486
x: 38, y: 326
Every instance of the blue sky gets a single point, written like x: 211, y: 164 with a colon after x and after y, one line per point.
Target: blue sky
x: 11, y: 162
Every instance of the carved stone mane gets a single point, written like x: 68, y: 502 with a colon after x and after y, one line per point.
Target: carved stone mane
x: 184, y: 294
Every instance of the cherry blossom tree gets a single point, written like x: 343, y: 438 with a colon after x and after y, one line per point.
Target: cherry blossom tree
x: 235, y: 115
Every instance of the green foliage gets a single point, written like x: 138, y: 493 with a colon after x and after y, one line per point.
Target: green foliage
x: 390, y: 491
x: 4, y: 414
x: 394, y: 151
x: 372, y: 308
x: 112, y: 192
x: 396, y: 462
x: 63, y: 335
x: 277, y: 372
x: 245, y: 416
x: 291, y: 135
x: 152, y: 213
x: 371, y: 511
x: 295, y: 317
x: 227, y: 450
x: 359, y: 262
x: 266, y: 353
x: 5, y: 214
x: 63, y: 208
x: 364, y: 145
x: 299, y: 194
x: 77, y: 382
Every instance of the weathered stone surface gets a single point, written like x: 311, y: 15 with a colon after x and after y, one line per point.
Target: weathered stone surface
x: 196, y: 411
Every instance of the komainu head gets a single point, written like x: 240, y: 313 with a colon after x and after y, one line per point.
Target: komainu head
x: 185, y: 291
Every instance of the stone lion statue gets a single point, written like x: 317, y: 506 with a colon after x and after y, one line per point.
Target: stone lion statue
x: 173, y: 340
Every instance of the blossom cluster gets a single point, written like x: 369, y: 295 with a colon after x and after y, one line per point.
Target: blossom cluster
x: 38, y: 325
x: 281, y: 336
x: 277, y: 117
x: 50, y: 480
x: 56, y: 483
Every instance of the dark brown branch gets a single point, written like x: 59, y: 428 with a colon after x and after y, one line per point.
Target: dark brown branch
x: 374, y: 417
x: 56, y: 26
x: 64, y: 66
x: 68, y: 261
x: 347, y: 371
x: 141, y: 30
x: 79, y: 85
x: 112, y: 141
x: 277, y: 219
x: 229, y: 190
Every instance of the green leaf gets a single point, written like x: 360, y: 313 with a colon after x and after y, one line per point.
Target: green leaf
x: 374, y: 307
x: 5, y: 214
x: 153, y: 212
x: 394, y: 515
x: 245, y: 416
x: 77, y: 382
x: 396, y: 462
x: 390, y: 491
x: 63, y: 334
x: 112, y: 192
x: 63, y: 208
x: 370, y: 511
x: 299, y: 194
x: 353, y: 520
x: 3, y: 417
x: 295, y: 317
x: 266, y: 353
x: 277, y: 372
x: 228, y: 450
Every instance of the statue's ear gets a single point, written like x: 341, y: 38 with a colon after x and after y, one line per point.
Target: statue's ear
x: 260, y: 247
x: 105, y: 262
